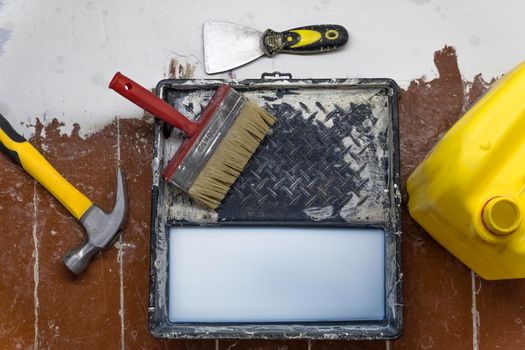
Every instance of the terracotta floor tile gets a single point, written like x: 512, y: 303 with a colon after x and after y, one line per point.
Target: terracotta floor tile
x: 186, y: 345
x: 263, y: 345
x: 16, y: 257
x: 83, y: 312
x: 347, y: 345
x: 136, y: 139
x: 501, y: 314
x: 437, y: 287
x: 436, y: 295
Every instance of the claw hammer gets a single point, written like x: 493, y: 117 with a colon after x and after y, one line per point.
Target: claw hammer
x: 102, y: 228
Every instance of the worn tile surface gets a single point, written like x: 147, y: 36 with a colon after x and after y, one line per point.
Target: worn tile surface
x: 43, y: 306
x: 501, y: 314
x: 135, y: 148
x: 347, y: 345
x: 76, y: 312
x: 262, y: 345
x: 437, y: 287
x: 17, y: 248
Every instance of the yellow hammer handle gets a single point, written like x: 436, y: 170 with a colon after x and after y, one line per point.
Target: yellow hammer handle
x: 23, y: 153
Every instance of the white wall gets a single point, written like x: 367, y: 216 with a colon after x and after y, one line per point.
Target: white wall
x: 57, y: 56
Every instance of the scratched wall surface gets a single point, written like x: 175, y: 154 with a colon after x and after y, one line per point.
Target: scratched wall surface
x: 42, y: 306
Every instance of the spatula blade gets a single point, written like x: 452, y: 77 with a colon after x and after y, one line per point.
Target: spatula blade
x: 228, y: 45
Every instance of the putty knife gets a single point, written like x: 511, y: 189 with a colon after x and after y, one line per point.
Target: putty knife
x: 228, y: 45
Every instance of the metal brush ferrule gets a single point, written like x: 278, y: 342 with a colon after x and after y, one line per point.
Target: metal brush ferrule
x: 208, y: 140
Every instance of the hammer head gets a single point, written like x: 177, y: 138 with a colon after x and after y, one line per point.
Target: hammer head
x: 102, y: 229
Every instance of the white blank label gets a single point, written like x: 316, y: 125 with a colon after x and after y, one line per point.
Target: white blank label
x: 275, y: 274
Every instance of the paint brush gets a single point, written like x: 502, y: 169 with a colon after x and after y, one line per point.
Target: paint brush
x: 217, y: 146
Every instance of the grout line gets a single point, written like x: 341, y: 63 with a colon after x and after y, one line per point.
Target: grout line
x: 474, y: 312
x: 216, y: 344
x: 36, y: 267
x: 120, y: 257
x: 230, y: 347
x: 309, y: 344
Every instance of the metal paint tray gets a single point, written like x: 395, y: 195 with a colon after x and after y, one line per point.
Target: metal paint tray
x: 332, y: 159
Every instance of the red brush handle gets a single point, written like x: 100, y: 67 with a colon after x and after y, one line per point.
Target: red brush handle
x: 151, y: 103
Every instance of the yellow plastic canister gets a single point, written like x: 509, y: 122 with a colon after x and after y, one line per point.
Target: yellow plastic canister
x: 469, y: 191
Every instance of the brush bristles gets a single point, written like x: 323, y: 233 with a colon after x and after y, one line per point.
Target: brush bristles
x: 231, y: 155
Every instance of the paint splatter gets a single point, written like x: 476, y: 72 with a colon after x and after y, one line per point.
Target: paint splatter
x: 320, y: 213
x: 5, y: 35
x: 181, y: 66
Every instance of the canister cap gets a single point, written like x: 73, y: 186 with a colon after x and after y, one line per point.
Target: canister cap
x: 501, y: 215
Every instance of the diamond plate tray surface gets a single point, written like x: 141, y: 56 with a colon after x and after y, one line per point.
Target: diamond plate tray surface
x: 305, y: 164
x: 324, y: 160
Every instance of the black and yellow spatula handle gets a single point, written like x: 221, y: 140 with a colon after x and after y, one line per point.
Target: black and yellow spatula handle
x: 23, y: 153
x: 305, y: 40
